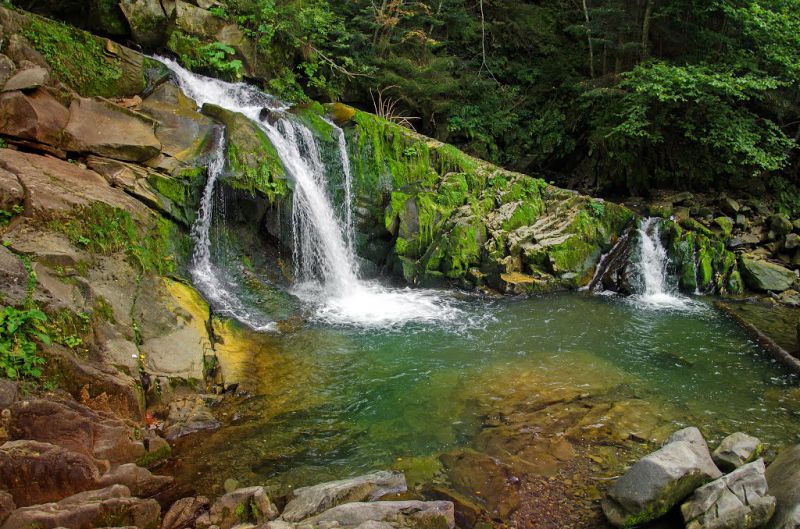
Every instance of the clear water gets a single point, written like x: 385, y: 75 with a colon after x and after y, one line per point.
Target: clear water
x: 334, y: 401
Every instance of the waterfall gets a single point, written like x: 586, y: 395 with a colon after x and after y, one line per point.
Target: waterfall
x: 210, y: 280
x: 653, y: 281
x: 324, y: 256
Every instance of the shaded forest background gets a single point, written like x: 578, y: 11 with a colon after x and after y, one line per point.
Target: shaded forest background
x: 611, y: 97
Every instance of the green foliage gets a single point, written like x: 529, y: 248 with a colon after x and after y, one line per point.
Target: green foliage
x: 215, y: 59
x: 20, y: 329
x: 76, y: 57
x: 6, y: 216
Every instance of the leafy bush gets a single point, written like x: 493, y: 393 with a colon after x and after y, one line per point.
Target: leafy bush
x: 19, y: 331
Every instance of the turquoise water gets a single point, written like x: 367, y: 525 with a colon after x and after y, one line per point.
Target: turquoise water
x: 333, y: 401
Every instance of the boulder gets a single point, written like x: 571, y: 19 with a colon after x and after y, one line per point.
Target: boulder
x: 6, y: 506
x: 729, y: 206
x: 765, y: 276
x: 783, y: 477
x: 308, y: 501
x: 148, y: 19
x: 86, y: 510
x: 792, y: 241
x: 33, y: 472
x: 660, y: 481
x: 738, y: 500
x: 27, y: 79
x: 139, y: 481
x: 75, y: 427
x: 736, y: 450
x: 187, y: 416
x: 184, y: 512
x: 780, y: 224
x: 36, y: 116
x: 248, y: 504
x: 196, y: 21
x: 100, y: 127
x: 401, y: 513
x: 182, y: 131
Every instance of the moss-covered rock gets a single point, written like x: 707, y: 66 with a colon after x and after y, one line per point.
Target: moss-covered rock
x: 90, y: 65
x: 453, y: 217
x: 253, y: 161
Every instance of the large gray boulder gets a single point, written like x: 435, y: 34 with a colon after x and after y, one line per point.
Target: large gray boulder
x: 738, y: 500
x: 661, y: 480
x: 412, y: 514
x: 736, y: 450
x: 308, y: 501
x: 783, y: 477
x: 766, y: 276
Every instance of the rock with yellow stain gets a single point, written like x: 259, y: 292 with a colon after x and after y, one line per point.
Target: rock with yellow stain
x: 172, y: 319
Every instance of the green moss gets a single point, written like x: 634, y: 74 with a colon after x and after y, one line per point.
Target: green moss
x: 76, y: 57
x: 150, y: 459
x: 103, y: 229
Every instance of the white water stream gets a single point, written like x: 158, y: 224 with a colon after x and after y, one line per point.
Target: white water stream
x: 326, y: 268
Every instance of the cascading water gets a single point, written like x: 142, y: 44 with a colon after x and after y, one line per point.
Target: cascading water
x: 653, y: 285
x: 325, y: 263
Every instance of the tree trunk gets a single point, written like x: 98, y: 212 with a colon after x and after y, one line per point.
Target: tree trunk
x: 589, y: 38
x: 648, y: 12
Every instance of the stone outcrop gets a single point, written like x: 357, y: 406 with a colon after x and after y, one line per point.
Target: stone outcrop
x: 27, y: 79
x: 738, y: 500
x: 309, y: 501
x: 661, y: 480
x: 36, y: 116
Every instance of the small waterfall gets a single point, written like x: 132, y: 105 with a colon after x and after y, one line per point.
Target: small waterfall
x: 324, y: 255
x: 653, y: 285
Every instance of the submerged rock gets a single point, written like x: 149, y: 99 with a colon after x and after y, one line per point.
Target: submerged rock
x: 661, y: 480
x: 738, y: 500
x: 187, y: 416
x: 399, y: 513
x: 783, y: 477
x: 736, y: 450
x: 308, y: 501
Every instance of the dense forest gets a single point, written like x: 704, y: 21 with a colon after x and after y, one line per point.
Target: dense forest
x: 616, y: 96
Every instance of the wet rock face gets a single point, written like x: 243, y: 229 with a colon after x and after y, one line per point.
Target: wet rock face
x: 783, y: 477
x: 188, y: 416
x: 661, y: 480
x: 309, y: 501
x: 738, y: 500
